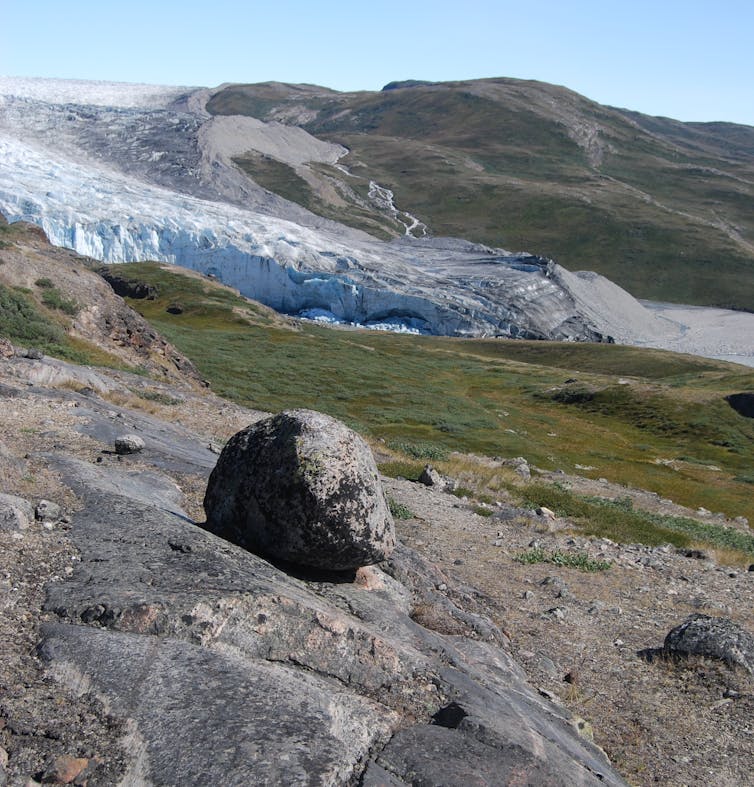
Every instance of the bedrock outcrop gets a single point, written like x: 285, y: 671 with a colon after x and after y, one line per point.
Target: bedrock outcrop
x: 207, y: 664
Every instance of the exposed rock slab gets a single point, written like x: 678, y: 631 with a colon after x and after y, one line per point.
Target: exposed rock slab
x: 204, y: 717
x: 222, y: 665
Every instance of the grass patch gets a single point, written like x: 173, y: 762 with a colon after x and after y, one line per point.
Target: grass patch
x: 429, y: 451
x: 401, y: 469
x: 54, y: 299
x: 398, y: 510
x: 620, y: 521
x: 23, y: 323
x: 579, y: 560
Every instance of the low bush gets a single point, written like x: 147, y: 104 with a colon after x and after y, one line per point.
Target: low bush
x: 398, y: 510
x: 54, y: 299
x: 579, y: 560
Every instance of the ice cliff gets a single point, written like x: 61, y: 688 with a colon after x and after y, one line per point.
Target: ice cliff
x: 129, y: 180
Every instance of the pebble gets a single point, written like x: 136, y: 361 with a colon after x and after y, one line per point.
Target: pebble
x: 65, y: 769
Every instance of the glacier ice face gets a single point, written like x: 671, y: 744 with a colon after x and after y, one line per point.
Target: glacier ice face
x: 121, y: 199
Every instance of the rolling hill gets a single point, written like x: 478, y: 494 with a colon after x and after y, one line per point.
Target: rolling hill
x: 663, y: 208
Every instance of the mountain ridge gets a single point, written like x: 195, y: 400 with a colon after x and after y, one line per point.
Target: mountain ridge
x: 605, y: 169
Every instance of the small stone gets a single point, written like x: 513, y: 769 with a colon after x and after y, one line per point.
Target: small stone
x: 48, y: 512
x: 528, y: 595
x: 430, y: 477
x: 65, y: 769
x: 129, y: 444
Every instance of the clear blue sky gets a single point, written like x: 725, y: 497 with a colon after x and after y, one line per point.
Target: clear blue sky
x: 687, y: 59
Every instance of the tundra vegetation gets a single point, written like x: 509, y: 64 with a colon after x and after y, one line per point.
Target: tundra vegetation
x: 647, y: 419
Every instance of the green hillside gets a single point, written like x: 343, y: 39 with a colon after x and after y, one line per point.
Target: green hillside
x: 666, y: 209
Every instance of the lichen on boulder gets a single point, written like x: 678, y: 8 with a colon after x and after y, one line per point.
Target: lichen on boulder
x: 303, y: 488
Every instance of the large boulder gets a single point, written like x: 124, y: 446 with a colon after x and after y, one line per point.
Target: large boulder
x: 304, y: 488
x: 717, y: 638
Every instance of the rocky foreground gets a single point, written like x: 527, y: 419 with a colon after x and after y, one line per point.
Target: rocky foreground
x: 141, y: 649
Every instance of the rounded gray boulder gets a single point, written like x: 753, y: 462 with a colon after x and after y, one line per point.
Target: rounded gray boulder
x: 304, y: 488
x: 717, y: 638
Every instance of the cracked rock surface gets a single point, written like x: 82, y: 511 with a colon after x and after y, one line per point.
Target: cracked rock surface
x: 162, y: 654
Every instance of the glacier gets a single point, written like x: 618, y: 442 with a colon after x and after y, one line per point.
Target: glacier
x: 131, y: 173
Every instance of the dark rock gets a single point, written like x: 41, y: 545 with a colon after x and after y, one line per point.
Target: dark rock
x: 303, y: 488
x: 717, y: 638
x: 129, y: 444
x: 742, y: 403
x: 450, y: 716
x: 430, y: 477
x: 695, y: 554
x: 127, y: 288
x: 174, y: 308
x: 434, y: 755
